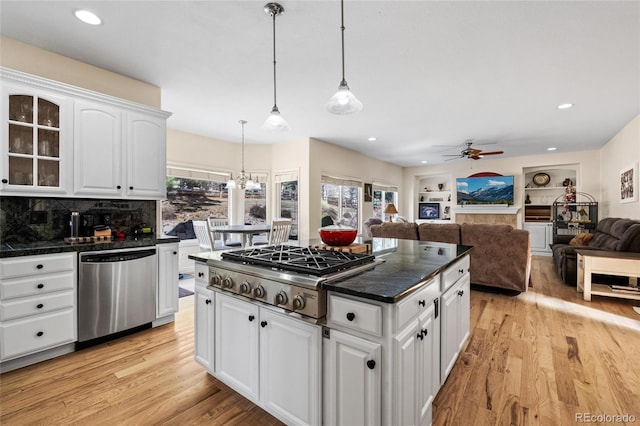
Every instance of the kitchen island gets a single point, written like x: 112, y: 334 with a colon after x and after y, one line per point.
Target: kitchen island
x: 388, y: 340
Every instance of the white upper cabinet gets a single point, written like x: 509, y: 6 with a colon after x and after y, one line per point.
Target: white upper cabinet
x: 97, y: 150
x: 61, y: 140
x: 35, y: 141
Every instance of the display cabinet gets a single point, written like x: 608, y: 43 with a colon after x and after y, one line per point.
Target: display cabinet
x: 434, y: 198
x: 34, y: 141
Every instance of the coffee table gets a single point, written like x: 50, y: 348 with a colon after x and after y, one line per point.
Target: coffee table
x: 609, y: 263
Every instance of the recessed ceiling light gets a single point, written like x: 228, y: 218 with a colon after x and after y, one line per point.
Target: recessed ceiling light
x: 87, y: 17
x: 372, y: 139
x: 424, y: 161
x: 553, y: 148
x: 564, y: 106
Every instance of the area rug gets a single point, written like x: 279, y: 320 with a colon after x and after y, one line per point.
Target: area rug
x: 182, y: 292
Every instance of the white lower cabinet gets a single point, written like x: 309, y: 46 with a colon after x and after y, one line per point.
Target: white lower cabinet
x: 416, y: 351
x: 167, y: 289
x: 269, y: 357
x: 455, y: 308
x: 37, y: 304
x: 352, y: 380
x: 541, y: 235
x: 204, y: 311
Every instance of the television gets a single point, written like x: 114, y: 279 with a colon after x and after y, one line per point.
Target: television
x: 428, y: 211
x: 485, y: 190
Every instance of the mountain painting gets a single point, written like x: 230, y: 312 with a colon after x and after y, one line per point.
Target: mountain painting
x: 485, y: 190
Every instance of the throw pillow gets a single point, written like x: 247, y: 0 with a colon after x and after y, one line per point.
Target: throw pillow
x: 578, y: 240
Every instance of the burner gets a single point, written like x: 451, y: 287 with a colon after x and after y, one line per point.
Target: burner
x: 299, y: 259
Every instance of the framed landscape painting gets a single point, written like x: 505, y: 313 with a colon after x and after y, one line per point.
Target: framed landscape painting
x: 629, y: 184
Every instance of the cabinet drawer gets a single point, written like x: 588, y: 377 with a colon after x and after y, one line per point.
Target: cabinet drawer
x: 454, y: 272
x: 39, y: 284
x: 36, y: 265
x: 23, y: 336
x: 417, y: 302
x: 202, y: 274
x: 26, y: 306
x: 356, y: 315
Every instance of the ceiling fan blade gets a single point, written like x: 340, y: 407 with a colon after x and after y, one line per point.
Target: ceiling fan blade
x: 449, y: 159
x: 475, y: 157
x: 491, y: 153
x: 472, y: 151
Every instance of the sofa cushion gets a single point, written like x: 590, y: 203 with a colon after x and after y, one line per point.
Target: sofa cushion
x: 611, y: 234
x: 439, y: 232
x: 407, y: 231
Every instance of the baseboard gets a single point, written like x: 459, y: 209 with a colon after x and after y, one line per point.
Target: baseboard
x: 26, y: 360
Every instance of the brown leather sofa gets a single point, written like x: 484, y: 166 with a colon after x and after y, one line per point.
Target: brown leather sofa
x: 501, y: 257
x: 614, y: 234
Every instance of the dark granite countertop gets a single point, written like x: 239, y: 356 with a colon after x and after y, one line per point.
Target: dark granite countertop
x: 50, y: 247
x: 407, y: 264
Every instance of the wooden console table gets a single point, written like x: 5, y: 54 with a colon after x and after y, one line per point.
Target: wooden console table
x: 609, y: 263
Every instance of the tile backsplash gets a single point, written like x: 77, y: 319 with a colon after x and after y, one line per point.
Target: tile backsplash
x: 25, y: 219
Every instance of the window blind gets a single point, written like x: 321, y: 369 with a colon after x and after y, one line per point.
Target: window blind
x: 341, y: 181
x: 197, y: 174
x: 384, y: 187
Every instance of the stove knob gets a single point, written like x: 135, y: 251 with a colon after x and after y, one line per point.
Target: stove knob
x: 281, y: 298
x: 215, y: 279
x: 227, y: 282
x: 298, y: 303
x: 258, y: 291
x: 245, y: 287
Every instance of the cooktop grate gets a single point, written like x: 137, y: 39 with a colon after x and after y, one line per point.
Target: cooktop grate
x: 305, y: 260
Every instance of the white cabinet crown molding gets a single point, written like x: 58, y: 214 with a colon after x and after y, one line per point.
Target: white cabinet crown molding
x: 37, y: 82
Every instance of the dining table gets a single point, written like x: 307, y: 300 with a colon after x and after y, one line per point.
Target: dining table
x: 247, y: 231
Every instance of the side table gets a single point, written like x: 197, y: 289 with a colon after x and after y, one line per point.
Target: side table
x: 609, y: 263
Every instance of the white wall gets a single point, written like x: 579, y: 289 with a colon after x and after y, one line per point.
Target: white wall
x: 620, y: 152
x: 588, y: 176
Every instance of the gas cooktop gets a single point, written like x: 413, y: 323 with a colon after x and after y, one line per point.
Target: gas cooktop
x: 305, y: 260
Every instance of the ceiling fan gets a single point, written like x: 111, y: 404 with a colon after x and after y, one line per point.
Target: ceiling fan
x: 474, y: 154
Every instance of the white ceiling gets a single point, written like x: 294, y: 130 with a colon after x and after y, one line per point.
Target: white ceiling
x: 430, y: 74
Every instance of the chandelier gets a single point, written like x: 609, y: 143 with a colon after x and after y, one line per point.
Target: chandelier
x: 243, y: 181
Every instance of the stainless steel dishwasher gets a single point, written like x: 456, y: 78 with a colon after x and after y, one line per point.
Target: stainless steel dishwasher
x: 116, y: 291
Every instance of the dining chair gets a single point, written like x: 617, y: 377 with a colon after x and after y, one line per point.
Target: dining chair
x: 201, y: 229
x: 218, y: 237
x: 280, y: 229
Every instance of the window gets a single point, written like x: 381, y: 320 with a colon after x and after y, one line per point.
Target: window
x: 383, y: 195
x: 340, y: 201
x: 192, y: 195
x: 255, y: 204
x: 287, y: 203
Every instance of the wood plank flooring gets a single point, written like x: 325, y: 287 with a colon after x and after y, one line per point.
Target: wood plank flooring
x: 538, y: 358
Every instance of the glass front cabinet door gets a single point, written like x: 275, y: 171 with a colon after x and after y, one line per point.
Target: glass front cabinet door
x: 34, y: 141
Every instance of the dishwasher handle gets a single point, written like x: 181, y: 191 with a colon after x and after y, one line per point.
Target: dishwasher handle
x: 119, y: 256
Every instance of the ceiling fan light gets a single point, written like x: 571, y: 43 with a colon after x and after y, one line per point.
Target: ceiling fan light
x: 231, y: 184
x: 344, y: 101
x: 275, y: 122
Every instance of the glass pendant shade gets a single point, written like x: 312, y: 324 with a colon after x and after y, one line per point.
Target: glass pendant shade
x: 344, y: 101
x: 231, y: 184
x: 275, y: 122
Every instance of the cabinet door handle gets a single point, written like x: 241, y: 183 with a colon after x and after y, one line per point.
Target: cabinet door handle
x: 420, y: 336
x: 39, y: 334
x: 5, y: 181
x: 371, y: 364
x: 436, y: 302
x: 40, y: 306
x: 421, y: 303
x: 207, y: 301
x: 461, y: 271
x: 461, y: 292
x: 39, y: 266
x: 175, y: 252
x: 201, y: 274
x: 425, y: 332
x: 40, y: 285
x: 251, y: 317
x: 118, y: 187
x: 263, y: 324
x: 131, y: 187
x: 351, y: 316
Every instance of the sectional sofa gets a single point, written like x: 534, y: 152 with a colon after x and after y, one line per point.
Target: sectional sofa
x: 501, y: 257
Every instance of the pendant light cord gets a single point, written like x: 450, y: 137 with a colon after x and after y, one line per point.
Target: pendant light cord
x: 275, y: 104
x: 342, y: 29
x: 242, y: 122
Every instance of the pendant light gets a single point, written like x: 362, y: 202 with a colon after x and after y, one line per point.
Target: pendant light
x: 244, y: 180
x: 344, y: 101
x: 275, y: 121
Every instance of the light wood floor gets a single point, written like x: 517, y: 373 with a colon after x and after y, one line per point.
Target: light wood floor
x: 535, y: 359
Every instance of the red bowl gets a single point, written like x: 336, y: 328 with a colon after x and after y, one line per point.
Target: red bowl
x: 337, y: 236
